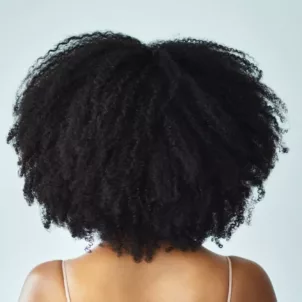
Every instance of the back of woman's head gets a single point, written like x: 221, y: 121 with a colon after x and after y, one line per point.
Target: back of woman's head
x: 144, y: 144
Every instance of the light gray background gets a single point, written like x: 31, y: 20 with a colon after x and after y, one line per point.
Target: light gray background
x: 269, y: 30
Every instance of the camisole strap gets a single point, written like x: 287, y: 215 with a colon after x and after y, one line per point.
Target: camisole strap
x: 65, y: 282
x: 230, y: 280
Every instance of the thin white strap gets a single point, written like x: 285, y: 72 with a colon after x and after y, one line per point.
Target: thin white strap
x: 65, y: 282
x: 230, y: 280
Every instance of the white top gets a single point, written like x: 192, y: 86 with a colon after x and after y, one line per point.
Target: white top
x: 67, y: 294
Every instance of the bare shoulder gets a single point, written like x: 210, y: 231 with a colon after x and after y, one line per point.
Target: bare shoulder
x: 44, y: 283
x: 251, y: 282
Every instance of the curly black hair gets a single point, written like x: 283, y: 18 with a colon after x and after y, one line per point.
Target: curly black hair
x: 146, y: 143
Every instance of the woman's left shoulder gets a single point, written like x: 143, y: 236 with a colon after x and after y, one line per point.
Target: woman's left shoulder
x: 43, y: 283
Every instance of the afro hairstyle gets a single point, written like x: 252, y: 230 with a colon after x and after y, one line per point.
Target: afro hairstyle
x: 146, y: 143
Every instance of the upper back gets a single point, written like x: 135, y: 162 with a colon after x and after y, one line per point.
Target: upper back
x: 177, y: 276
x: 169, y: 277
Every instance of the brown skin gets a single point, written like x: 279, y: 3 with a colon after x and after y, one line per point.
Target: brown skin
x: 176, y: 276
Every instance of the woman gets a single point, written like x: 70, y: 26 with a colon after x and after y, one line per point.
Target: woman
x: 153, y: 148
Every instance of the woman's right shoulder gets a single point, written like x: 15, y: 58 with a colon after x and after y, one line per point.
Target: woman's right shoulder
x: 251, y: 282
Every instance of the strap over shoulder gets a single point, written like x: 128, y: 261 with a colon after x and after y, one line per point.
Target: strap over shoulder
x: 65, y: 282
x: 230, y: 279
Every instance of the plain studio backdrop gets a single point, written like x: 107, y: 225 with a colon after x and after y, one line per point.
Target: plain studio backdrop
x: 271, y: 31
